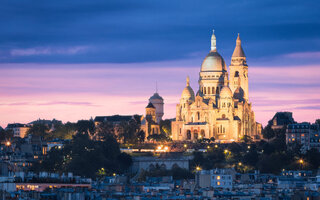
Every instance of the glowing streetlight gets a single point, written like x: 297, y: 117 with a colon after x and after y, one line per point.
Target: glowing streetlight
x: 198, y: 168
x: 185, y: 145
x: 226, y: 151
x: 159, y: 147
x: 8, y: 143
x: 216, y: 146
x: 249, y: 147
x: 114, y: 174
x: 166, y: 148
x: 239, y: 163
x: 208, y: 147
x: 301, y: 161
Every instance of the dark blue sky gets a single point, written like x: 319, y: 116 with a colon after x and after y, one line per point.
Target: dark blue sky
x: 143, y: 30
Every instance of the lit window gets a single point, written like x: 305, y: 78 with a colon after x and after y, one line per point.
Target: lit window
x: 218, y: 183
x: 218, y: 177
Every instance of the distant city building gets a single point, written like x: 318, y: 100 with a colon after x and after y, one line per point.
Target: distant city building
x: 48, y: 123
x: 215, y: 178
x: 114, y: 119
x: 281, y: 119
x: 165, y: 162
x: 19, y: 130
x: 221, y: 107
x: 305, y: 134
x: 150, y: 124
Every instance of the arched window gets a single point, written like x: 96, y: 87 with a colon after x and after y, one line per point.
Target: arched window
x: 203, y: 134
x: 224, y: 130
x: 195, y: 134
x: 236, y: 74
x: 204, y: 92
x: 198, y: 113
x: 188, y: 135
x: 223, y: 116
x: 212, y: 90
x: 218, y: 130
x: 223, y: 105
x: 208, y: 90
x: 152, y: 130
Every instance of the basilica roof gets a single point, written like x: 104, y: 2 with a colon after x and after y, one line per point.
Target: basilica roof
x: 225, y: 92
x: 238, y: 51
x: 156, y: 96
x: 213, y: 62
x: 188, y: 92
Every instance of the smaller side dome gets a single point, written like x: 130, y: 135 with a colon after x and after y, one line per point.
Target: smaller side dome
x: 225, y: 92
x: 188, y: 92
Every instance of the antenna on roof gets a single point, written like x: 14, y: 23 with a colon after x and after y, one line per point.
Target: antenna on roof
x: 156, y: 86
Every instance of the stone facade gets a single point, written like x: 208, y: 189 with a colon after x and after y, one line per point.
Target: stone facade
x: 221, y: 108
x: 150, y: 124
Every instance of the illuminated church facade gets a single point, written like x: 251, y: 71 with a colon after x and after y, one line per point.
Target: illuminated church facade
x: 221, y: 107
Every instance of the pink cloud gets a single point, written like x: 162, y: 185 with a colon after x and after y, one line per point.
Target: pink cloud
x: 73, y: 92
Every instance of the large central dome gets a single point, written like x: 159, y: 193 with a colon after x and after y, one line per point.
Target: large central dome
x: 213, y: 62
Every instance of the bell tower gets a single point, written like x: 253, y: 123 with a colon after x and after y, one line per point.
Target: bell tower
x: 239, y: 70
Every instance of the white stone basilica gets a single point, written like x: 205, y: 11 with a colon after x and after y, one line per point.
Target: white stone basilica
x: 221, y: 107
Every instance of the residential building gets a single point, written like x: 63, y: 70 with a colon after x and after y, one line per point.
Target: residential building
x: 305, y: 134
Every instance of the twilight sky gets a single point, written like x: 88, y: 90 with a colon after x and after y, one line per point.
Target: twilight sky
x: 75, y: 59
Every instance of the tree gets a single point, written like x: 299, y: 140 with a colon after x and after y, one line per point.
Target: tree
x: 85, y: 126
x: 38, y: 130
x: 165, y: 127
x: 268, y: 133
x: 313, y: 158
x: 86, y: 157
x: 6, y: 134
x: 246, y: 139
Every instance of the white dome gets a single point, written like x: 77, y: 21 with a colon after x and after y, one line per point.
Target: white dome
x: 187, y: 93
x: 213, y: 62
x: 225, y: 92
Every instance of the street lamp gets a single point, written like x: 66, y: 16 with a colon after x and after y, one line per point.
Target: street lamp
x: 8, y: 143
x: 239, y: 163
x: 198, y: 168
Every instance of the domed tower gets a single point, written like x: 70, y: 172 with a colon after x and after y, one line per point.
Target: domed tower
x: 187, y: 97
x: 157, y: 102
x: 213, y: 72
x: 239, y: 71
x: 150, y: 112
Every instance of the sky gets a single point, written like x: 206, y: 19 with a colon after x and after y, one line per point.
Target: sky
x: 73, y: 60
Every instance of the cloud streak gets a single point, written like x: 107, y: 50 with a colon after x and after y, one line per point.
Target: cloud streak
x: 49, y: 51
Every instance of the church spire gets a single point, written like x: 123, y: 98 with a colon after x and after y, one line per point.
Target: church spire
x: 238, y: 51
x: 213, y: 42
x: 188, y: 81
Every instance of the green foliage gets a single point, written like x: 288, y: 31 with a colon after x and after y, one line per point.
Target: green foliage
x: 158, y: 138
x: 62, y: 131
x: 268, y: 133
x: 38, y: 130
x: 165, y: 127
x: 130, y: 132
x: 6, y: 135
x: 86, y: 157
x: 85, y: 127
